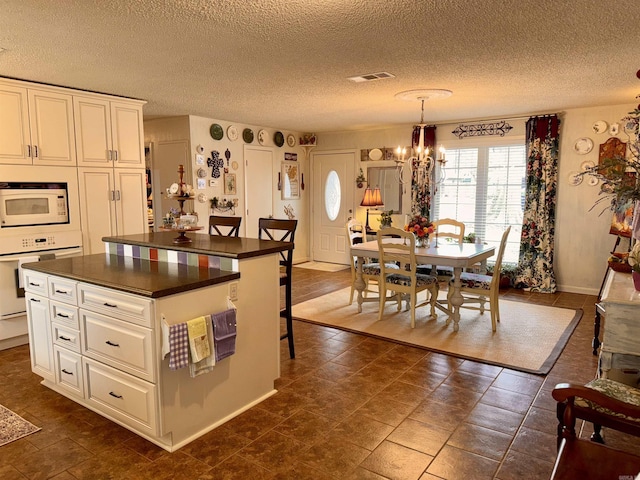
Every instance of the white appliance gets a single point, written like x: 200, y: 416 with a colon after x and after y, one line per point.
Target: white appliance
x: 32, y: 240
x: 24, y: 204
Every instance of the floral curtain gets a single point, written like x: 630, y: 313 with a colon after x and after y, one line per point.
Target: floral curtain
x: 535, y: 265
x: 420, y: 182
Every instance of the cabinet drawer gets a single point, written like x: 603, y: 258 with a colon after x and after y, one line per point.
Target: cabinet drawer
x: 69, y: 371
x: 65, y: 315
x: 120, y: 305
x: 121, y: 396
x: 35, y: 282
x: 66, y: 337
x: 120, y: 344
x: 63, y: 290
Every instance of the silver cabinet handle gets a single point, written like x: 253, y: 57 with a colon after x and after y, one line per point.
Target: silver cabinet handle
x: 115, y: 155
x: 28, y: 150
x: 117, y: 194
x: 35, y: 148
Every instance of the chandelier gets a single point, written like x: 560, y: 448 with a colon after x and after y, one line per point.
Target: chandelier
x: 421, y: 157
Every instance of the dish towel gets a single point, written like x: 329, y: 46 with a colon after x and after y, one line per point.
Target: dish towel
x: 179, y: 346
x: 198, y: 341
x: 206, y: 364
x: 224, y: 333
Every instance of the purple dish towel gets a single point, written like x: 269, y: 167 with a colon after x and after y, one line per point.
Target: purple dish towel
x: 179, y: 346
x: 224, y: 333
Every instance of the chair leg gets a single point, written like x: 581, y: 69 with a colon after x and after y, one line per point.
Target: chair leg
x: 596, y: 436
x: 382, y: 293
x: 351, y: 295
x: 414, y: 299
x: 288, y: 315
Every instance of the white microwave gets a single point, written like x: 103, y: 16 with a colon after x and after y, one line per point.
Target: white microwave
x: 24, y: 204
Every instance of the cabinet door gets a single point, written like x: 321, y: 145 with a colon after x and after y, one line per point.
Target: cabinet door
x: 52, y: 129
x: 93, y: 131
x: 97, y: 207
x: 40, y: 341
x: 131, y: 201
x: 14, y: 125
x: 127, y: 135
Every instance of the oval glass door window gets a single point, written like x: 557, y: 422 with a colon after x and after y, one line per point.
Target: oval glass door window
x: 332, y: 195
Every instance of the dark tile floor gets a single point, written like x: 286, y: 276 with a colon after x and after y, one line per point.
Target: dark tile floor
x: 348, y: 407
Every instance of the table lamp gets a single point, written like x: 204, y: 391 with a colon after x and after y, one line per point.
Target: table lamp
x: 372, y: 198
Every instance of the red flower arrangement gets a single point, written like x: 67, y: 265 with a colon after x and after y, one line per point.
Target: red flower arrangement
x: 420, y: 226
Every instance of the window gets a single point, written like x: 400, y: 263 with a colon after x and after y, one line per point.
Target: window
x: 484, y: 187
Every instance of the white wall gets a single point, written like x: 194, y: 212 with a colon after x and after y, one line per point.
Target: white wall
x: 582, y: 237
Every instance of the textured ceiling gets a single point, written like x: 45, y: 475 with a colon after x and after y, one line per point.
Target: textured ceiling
x: 284, y: 63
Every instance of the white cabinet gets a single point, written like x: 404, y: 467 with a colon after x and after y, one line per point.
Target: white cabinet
x: 36, y: 126
x: 40, y: 346
x: 112, y: 202
x: 108, y: 133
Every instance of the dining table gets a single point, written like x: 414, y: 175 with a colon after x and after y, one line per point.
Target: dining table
x: 458, y: 257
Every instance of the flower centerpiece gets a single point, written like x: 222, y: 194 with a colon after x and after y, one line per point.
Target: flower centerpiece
x: 385, y: 219
x: 421, y: 227
x: 634, y: 260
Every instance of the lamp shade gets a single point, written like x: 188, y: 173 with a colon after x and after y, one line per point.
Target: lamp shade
x: 368, y: 201
x: 377, y: 197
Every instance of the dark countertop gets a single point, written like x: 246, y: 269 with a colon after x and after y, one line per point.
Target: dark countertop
x: 231, y: 247
x: 133, y: 275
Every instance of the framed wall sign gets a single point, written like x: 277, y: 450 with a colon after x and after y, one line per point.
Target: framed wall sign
x: 290, y: 181
x: 230, y: 184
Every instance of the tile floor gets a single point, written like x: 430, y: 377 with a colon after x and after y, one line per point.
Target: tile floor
x: 348, y: 407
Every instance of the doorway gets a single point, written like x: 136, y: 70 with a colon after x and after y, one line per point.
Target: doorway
x: 167, y: 156
x: 333, y: 181
x: 258, y: 188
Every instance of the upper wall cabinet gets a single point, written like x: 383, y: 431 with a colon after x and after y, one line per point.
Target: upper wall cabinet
x: 36, y: 127
x: 108, y: 133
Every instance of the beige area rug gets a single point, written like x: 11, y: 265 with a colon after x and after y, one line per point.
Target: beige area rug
x: 13, y: 427
x: 325, y: 267
x: 529, y: 337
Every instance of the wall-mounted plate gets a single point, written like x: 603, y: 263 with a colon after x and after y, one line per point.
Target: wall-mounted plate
x: 291, y: 140
x: 583, y: 146
x: 247, y: 135
x: 232, y: 133
x: 278, y: 139
x: 575, y: 179
x: 262, y: 137
x: 375, y: 154
x: 216, y: 131
x: 600, y: 126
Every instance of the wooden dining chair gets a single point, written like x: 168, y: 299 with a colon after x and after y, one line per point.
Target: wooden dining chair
x: 605, y: 403
x: 406, y: 281
x: 370, y: 270
x: 446, y: 229
x: 230, y: 226
x: 283, y: 231
x: 479, y: 289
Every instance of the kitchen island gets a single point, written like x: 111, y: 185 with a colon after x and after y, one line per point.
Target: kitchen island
x: 96, y: 329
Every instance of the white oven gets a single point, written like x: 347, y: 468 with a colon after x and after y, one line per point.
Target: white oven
x: 42, y: 208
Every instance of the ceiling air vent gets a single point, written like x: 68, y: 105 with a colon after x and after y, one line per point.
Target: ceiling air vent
x: 370, y: 77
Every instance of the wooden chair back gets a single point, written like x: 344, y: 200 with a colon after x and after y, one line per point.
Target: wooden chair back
x: 448, y: 228
x: 231, y: 226
x: 282, y: 231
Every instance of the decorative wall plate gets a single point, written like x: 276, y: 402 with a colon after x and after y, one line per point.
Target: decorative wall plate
x: 600, y: 126
x: 234, y: 165
x: 202, y: 173
x: 574, y: 179
x: 202, y: 198
x: 593, y: 181
x: 262, y: 137
x: 375, y: 154
x: 247, y: 135
x: 291, y: 140
x: 587, y: 164
x: 200, y: 149
x: 232, y: 133
x: 583, y: 146
x: 278, y: 139
x: 614, y: 128
x: 216, y: 131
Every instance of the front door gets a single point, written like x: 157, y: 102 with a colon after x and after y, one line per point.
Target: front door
x: 333, y: 180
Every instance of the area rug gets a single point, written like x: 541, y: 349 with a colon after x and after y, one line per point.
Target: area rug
x: 13, y: 427
x: 325, y: 267
x: 529, y: 337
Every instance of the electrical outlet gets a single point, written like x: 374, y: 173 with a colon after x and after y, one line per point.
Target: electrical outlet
x: 233, y: 291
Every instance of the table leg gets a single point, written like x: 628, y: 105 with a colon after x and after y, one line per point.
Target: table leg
x: 456, y: 298
x: 596, y: 330
x: 359, y: 283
